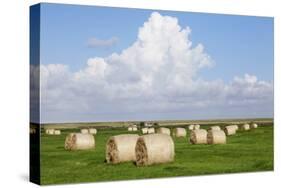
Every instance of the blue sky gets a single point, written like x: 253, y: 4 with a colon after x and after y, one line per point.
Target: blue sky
x: 237, y: 45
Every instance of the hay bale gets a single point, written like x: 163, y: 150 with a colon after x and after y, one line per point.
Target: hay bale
x: 216, y: 137
x: 92, y: 131
x: 132, y: 128
x: 214, y: 128
x: 57, y: 132
x: 121, y: 148
x: 79, y: 141
x: 163, y: 130
x: 234, y: 126
x: 190, y: 127
x: 196, y: 127
x: 144, y: 130
x: 245, y: 127
x: 198, y: 136
x: 50, y: 131
x: 230, y: 130
x: 179, y: 132
x: 85, y: 131
x: 154, y: 149
x: 253, y: 126
x: 150, y: 130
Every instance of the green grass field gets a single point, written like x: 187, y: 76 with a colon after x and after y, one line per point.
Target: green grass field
x: 244, y: 152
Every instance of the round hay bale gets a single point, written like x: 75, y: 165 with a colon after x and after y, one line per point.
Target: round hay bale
x: 135, y: 129
x: 154, y: 149
x: 144, y: 130
x: 57, y: 132
x: 245, y: 127
x: 230, y: 130
x: 150, y: 130
x: 50, y: 131
x: 179, y: 132
x: 130, y: 129
x: 235, y: 127
x: 216, y: 137
x: 79, y: 141
x: 214, y: 128
x: 163, y: 130
x: 85, y: 131
x: 196, y: 127
x: 93, y: 131
x: 253, y: 126
x: 198, y: 136
x: 121, y: 148
x: 190, y: 127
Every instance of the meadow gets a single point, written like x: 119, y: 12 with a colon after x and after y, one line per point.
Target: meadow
x: 247, y: 151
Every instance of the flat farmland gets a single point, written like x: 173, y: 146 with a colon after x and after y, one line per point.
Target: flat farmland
x: 247, y: 151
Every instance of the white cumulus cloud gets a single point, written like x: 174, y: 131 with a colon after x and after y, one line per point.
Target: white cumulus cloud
x: 156, y: 75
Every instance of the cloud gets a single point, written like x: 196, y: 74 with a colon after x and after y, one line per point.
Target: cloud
x: 154, y: 78
x: 106, y: 43
x: 249, y: 89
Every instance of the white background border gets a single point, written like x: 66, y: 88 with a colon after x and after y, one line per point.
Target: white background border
x: 14, y: 93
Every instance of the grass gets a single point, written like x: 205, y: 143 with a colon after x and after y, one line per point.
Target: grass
x: 247, y: 151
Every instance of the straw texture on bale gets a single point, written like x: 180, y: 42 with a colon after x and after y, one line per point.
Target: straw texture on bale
x: 216, y: 137
x: 196, y: 127
x: 245, y: 127
x: 198, y: 136
x: 135, y: 128
x: 179, y: 132
x: 130, y: 128
x: 191, y: 127
x: 230, y: 130
x: 92, y: 131
x: 154, y: 149
x: 57, y: 132
x: 79, y: 141
x: 163, y: 130
x: 150, y: 130
x: 215, y: 128
x: 144, y: 130
x: 254, y: 126
x: 121, y: 148
x: 85, y: 131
